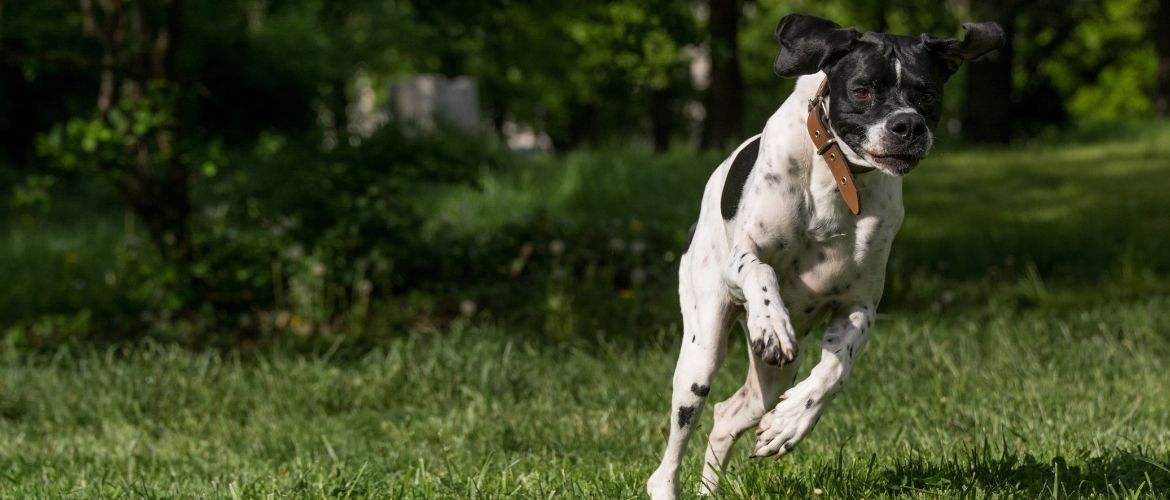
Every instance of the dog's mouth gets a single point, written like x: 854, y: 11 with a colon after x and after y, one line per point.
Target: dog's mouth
x: 897, y: 164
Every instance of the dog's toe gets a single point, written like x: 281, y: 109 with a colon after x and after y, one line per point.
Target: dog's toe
x: 758, y: 347
x: 773, y: 354
x: 773, y: 441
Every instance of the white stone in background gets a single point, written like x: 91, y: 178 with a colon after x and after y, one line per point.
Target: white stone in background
x: 429, y: 100
x: 699, y: 66
x: 523, y: 137
x: 363, y: 115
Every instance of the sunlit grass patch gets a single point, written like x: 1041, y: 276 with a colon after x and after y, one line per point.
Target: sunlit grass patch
x: 998, y: 403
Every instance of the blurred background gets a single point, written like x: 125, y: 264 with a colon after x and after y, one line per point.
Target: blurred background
x: 242, y: 173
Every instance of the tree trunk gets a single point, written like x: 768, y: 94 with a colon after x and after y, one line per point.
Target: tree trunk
x: 878, y: 11
x: 661, y: 119
x: 724, y: 101
x: 988, y: 109
x: 1161, y: 31
x: 138, y: 45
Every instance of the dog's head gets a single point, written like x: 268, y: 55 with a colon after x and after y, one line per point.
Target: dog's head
x: 885, y: 91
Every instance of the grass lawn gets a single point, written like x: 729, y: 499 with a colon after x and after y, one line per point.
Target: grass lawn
x: 1024, y: 352
x: 1032, y: 404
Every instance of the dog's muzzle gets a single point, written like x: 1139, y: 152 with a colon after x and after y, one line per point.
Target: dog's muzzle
x: 902, y: 141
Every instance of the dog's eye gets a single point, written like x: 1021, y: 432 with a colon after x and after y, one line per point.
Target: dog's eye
x: 861, y: 93
x: 927, y: 98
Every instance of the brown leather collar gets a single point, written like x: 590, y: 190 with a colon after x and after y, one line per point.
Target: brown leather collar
x: 823, y: 138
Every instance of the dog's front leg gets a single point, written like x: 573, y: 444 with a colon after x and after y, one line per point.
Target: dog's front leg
x: 753, y: 282
x: 800, y: 407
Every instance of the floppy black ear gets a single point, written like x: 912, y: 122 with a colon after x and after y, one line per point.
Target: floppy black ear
x: 809, y: 44
x: 980, y: 39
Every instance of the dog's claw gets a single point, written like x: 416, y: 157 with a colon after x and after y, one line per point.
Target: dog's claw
x: 772, y: 338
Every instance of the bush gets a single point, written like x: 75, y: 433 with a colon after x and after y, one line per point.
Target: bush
x: 302, y: 240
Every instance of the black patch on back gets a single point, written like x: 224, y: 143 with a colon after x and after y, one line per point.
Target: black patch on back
x: 690, y: 236
x: 737, y: 176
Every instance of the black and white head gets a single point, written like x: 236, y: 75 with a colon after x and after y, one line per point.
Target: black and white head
x: 885, y: 91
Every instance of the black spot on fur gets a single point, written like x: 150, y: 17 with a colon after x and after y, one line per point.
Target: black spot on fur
x: 685, y: 415
x: 692, y: 339
x: 767, y: 302
x: 850, y: 351
x: 737, y: 176
x: 793, y: 167
x: 690, y: 236
x: 808, y: 404
x: 789, y: 446
x: 740, y: 270
x: 772, y: 179
x: 701, y: 390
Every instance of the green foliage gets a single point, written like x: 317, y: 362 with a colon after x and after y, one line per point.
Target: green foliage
x: 307, y: 238
x: 101, y: 143
x: 1124, y: 77
x: 421, y: 230
x: 289, y: 235
x: 33, y: 192
x: 981, y: 225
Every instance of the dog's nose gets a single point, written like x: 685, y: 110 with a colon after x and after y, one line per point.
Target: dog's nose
x: 906, y: 125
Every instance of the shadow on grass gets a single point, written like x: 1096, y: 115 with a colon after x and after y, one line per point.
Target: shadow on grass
x: 1111, y: 472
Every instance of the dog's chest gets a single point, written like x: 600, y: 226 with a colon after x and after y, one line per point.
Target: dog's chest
x: 834, y: 258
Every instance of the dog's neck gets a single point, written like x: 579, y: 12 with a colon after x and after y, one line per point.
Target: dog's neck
x: 788, y: 124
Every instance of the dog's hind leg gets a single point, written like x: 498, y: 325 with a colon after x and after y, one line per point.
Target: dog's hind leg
x: 742, y: 411
x: 707, y: 316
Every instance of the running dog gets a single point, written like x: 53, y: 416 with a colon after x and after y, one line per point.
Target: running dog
x: 795, y: 228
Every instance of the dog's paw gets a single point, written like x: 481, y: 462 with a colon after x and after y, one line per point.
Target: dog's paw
x: 661, y: 486
x: 772, y: 337
x: 782, y: 428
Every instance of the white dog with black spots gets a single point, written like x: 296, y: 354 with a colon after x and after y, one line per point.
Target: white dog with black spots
x: 775, y: 244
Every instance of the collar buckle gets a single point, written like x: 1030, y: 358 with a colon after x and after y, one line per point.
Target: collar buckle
x: 816, y: 101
